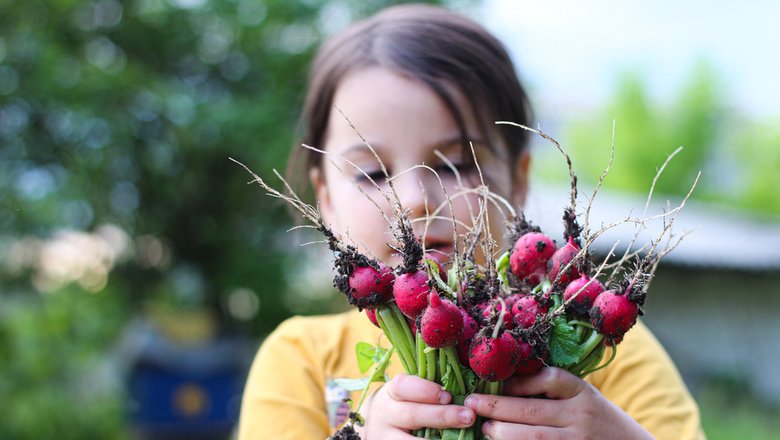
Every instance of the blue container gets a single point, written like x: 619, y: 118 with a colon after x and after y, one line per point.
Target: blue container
x: 187, y: 392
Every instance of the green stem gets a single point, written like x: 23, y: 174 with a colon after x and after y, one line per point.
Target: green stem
x: 592, y: 342
x: 400, y: 319
x: 494, y: 388
x: 379, y: 366
x: 395, y: 336
x: 582, y: 324
x: 422, y: 368
x: 433, y: 271
x: 442, y: 365
x: 452, y: 359
x: 431, y: 358
x: 609, y: 361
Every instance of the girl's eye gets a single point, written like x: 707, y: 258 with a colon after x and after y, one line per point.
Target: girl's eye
x: 376, y: 175
x: 451, y: 169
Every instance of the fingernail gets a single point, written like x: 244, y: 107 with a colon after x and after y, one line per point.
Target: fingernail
x: 470, y: 401
x: 486, y: 428
x: 445, y: 397
x: 466, y: 416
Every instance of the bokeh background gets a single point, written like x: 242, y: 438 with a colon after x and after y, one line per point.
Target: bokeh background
x: 139, y: 272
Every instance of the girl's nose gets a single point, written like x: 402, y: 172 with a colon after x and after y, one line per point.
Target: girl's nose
x: 417, y: 191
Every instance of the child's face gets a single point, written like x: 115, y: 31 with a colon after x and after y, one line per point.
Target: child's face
x: 405, y: 123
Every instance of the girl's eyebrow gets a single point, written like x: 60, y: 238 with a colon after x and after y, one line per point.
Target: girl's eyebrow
x: 457, y: 141
x: 361, y: 147
x: 444, y: 144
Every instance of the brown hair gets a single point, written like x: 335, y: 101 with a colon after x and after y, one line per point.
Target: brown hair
x: 430, y: 44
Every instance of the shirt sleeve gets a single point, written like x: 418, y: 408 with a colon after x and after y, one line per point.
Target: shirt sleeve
x: 645, y: 383
x: 283, y: 397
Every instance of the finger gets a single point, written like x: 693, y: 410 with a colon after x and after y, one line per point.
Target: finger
x: 495, y: 430
x: 406, y: 388
x: 418, y: 415
x: 554, y: 383
x: 526, y: 411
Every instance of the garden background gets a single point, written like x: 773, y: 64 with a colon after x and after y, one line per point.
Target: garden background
x: 130, y: 243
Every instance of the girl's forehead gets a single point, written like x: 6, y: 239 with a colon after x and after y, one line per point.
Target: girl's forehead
x: 388, y: 108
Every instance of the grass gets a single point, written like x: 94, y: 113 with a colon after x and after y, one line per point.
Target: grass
x: 729, y: 413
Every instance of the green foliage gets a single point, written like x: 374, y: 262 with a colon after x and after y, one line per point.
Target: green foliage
x: 51, y: 355
x: 738, y: 155
x: 646, y: 134
x: 756, y: 147
x: 127, y: 112
x: 729, y: 412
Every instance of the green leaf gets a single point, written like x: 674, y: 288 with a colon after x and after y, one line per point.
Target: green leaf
x: 449, y: 381
x: 353, y: 384
x: 368, y: 355
x: 565, y: 350
x: 502, y: 264
x: 455, y: 434
x: 470, y: 378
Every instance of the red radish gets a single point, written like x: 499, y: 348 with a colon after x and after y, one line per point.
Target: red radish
x: 441, y: 323
x: 559, y: 260
x: 588, y: 291
x: 529, y: 256
x: 494, y: 359
x: 411, y: 293
x: 470, y: 329
x: 370, y: 287
x: 613, y: 314
x: 525, y: 311
x: 512, y: 299
x: 529, y: 363
x: 492, y: 310
x: 371, y: 313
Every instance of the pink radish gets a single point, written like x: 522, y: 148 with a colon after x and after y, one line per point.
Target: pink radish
x: 492, y: 310
x: 529, y: 256
x: 411, y: 293
x: 558, y: 262
x: 613, y: 314
x: 528, y: 363
x: 588, y: 291
x: 526, y: 310
x: 441, y: 323
x: 370, y: 287
x: 470, y: 329
x: 494, y: 359
x: 371, y: 314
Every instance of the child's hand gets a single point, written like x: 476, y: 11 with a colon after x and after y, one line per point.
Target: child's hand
x: 573, y: 409
x: 407, y: 403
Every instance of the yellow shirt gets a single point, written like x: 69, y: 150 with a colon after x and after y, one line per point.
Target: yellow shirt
x: 289, y: 393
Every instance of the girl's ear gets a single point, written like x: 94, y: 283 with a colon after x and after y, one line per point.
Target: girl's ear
x: 520, y: 182
x: 321, y: 193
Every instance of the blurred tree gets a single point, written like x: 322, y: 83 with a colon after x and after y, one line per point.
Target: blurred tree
x: 126, y: 113
x: 647, y: 133
x: 755, y: 146
x: 737, y: 154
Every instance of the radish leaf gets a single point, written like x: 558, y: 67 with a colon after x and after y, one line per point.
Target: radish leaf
x: 565, y: 349
x: 368, y: 355
x: 352, y: 384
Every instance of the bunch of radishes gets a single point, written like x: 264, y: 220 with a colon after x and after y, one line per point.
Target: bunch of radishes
x: 475, y: 325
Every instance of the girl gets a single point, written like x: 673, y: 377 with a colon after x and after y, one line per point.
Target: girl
x: 420, y: 83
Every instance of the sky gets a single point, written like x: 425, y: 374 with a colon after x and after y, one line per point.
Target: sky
x: 570, y: 52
